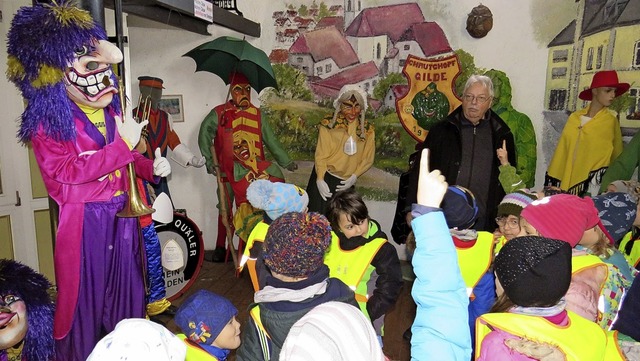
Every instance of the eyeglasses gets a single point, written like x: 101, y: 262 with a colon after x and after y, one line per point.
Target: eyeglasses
x: 481, y: 99
x: 506, y: 222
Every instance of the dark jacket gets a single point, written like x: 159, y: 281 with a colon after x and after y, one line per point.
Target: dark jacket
x: 386, y: 282
x: 445, y: 154
x: 279, y: 316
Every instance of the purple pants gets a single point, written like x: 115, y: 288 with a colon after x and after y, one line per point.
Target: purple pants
x: 111, y: 279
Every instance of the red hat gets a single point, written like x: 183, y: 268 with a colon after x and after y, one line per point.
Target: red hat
x: 562, y: 216
x: 237, y: 78
x: 605, y: 78
x: 150, y: 82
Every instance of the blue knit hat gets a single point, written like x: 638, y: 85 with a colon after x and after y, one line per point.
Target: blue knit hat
x: 203, y: 315
x: 277, y: 199
x: 617, y: 211
x: 459, y: 207
x: 296, y: 243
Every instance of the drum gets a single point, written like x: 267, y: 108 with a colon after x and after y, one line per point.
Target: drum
x: 189, y: 238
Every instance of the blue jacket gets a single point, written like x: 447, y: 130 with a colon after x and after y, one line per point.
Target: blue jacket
x: 440, y: 329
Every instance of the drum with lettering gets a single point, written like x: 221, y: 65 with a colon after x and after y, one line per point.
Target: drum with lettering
x: 180, y: 238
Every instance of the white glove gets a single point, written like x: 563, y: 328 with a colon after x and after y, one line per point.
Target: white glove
x: 197, y: 161
x: 182, y: 155
x: 130, y: 130
x: 323, y: 188
x: 431, y: 185
x: 347, y: 183
x: 161, y: 166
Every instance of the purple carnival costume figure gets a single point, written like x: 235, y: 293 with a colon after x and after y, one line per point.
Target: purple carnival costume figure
x: 62, y: 63
x: 26, y: 314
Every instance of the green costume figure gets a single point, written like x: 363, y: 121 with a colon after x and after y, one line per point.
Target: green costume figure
x: 623, y: 167
x: 520, y: 125
x: 429, y: 106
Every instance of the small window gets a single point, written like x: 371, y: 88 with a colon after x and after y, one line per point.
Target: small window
x: 402, y: 61
x: 407, y: 47
x: 319, y: 70
x: 557, y: 73
x: 590, y: 59
x: 560, y: 56
x: 599, y: 57
x: 327, y: 68
x: 299, y: 59
x: 636, y: 55
x: 634, y: 110
x: 557, y: 99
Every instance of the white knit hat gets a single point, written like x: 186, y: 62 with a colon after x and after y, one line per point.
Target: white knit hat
x: 332, y: 331
x: 139, y: 339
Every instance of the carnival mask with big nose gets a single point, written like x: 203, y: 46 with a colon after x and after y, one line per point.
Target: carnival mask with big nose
x: 89, y: 79
x: 13, y: 321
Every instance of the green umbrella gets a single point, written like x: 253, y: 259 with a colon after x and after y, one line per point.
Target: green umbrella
x: 226, y: 55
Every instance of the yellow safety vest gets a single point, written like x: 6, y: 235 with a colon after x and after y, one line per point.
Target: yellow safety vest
x: 353, y: 267
x: 501, y: 242
x: 263, y: 335
x: 634, y: 253
x: 258, y: 234
x: 583, y: 262
x: 580, y: 340
x: 475, y: 261
x: 195, y: 353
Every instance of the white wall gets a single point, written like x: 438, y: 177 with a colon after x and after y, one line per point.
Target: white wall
x: 513, y: 46
x: 510, y: 46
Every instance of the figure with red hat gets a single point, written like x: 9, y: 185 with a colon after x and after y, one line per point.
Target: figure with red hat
x: 238, y: 134
x: 159, y: 132
x: 590, y: 140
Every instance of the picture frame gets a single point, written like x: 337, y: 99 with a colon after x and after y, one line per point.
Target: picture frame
x: 173, y: 105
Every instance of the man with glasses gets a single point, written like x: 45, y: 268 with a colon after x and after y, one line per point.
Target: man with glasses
x: 463, y: 147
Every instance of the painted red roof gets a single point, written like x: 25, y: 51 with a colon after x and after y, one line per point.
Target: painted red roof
x: 279, y: 56
x: 331, y: 86
x: 429, y: 36
x: 323, y: 44
x: 391, y: 20
x: 337, y: 21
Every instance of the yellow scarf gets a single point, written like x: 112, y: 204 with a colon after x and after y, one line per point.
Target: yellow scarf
x: 584, y: 149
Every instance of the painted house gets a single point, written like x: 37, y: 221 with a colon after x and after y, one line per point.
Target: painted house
x: 606, y: 36
x: 337, y: 21
x: 322, y: 53
x: 424, y: 40
x: 395, y: 91
x: 365, y: 75
x: 374, y: 31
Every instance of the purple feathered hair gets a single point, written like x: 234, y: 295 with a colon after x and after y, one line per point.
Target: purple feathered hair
x: 31, y: 287
x: 41, y: 44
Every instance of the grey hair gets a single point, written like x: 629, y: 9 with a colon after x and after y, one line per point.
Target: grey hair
x: 482, y: 79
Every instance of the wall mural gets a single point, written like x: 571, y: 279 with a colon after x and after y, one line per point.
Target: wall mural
x: 401, y: 59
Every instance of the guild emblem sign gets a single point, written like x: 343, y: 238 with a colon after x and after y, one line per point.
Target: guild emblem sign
x: 431, y: 93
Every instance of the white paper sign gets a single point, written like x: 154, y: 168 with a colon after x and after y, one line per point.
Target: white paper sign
x: 203, y: 9
x: 172, y: 255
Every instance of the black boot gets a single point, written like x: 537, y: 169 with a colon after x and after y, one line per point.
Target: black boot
x: 219, y: 254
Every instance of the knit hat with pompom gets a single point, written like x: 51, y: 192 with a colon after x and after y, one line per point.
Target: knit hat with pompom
x: 296, y: 243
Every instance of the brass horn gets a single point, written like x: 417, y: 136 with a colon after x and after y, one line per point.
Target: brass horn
x: 135, y: 206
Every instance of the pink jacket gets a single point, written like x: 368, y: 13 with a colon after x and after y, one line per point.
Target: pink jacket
x: 76, y: 172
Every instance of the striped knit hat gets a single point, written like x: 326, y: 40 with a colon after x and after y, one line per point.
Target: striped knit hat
x: 296, y: 243
x: 513, y: 203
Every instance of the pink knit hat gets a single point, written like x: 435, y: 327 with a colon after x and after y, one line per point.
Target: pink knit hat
x: 562, y: 216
